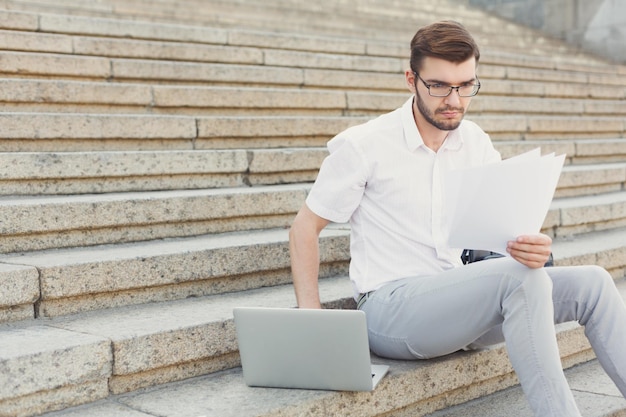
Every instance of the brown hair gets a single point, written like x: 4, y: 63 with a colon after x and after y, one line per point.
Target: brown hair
x: 447, y: 40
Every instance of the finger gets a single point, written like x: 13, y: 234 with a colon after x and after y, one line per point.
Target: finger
x: 529, y: 262
x: 541, y: 250
x: 537, y: 239
x: 532, y: 260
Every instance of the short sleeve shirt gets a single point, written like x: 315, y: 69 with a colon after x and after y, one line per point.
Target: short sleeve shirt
x: 382, y: 178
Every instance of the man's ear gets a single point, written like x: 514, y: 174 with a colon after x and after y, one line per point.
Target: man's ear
x: 410, y: 80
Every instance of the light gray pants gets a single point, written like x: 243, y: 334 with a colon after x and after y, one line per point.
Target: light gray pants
x: 502, y: 300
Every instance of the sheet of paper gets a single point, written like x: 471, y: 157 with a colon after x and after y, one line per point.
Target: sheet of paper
x: 489, y: 205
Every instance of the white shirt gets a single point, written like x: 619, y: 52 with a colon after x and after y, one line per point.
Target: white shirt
x: 383, y: 179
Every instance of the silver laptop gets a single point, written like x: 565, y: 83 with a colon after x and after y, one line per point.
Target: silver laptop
x: 308, y: 349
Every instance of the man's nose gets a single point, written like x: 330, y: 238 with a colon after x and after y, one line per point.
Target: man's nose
x: 453, y: 98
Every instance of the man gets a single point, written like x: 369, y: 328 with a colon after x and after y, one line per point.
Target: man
x: 385, y: 178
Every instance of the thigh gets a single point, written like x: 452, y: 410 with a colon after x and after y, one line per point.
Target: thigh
x: 423, y: 317
x: 575, y: 289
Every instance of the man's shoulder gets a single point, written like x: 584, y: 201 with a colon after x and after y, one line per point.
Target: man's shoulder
x: 369, y: 132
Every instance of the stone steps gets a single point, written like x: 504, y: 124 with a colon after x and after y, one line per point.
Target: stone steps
x: 52, y: 48
x: 113, y: 38
x: 46, y: 222
x: 373, y: 21
x: 95, y: 172
x: 125, y: 348
x: 171, y: 269
x: 594, y: 393
x: 152, y: 170
x: 579, y: 151
x: 63, y: 132
x: 49, y: 96
x: 286, y: 68
x: 44, y: 283
x: 65, y: 24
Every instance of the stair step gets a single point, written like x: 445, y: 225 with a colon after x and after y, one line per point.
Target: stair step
x: 117, y: 58
x: 531, y: 127
x: 578, y: 151
x: 280, y: 17
x: 578, y: 180
x: 132, y: 347
x: 123, y: 171
x: 424, y: 386
x: 22, y: 95
x: 583, y: 214
x: 42, y: 222
x: 594, y: 392
x: 45, y: 222
x: 117, y: 275
x: 123, y: 28
x: 59, y: 132
x: 311, y: 55
x: 605, y: 248
x: 40, y: 173
x: 46, y: 368
x: 374, y: 21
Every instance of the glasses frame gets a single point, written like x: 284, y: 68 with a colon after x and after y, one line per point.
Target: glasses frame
x: 451, y: 87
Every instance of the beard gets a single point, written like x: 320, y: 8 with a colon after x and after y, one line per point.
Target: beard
x: 430, y: 116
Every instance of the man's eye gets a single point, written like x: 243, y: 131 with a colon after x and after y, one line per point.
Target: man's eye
x: 439, y: 86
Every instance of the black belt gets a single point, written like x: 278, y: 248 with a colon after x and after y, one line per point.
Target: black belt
x: 362, y: 299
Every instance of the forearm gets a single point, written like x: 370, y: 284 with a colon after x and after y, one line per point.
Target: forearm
x: 304, y: 253
x: 305, y: 258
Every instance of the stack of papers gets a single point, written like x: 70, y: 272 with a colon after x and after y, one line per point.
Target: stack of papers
x: 488, y: 206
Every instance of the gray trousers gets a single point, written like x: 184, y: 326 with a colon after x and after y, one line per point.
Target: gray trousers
x: 502, y: 300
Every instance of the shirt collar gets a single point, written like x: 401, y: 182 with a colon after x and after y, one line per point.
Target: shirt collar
x: 414, y: 140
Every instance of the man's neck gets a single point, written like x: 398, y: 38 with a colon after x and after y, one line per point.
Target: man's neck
x: 433, y: 140
x: 432, y: 137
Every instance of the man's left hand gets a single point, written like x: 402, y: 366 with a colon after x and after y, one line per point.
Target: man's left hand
x: 531, y: 250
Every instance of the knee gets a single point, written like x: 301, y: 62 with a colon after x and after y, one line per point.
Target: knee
x: 601, y: 274
x: 594, y: 277
x: 531, y: 280
x: 591, y: 276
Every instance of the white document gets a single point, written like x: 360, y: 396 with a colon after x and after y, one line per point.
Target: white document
x: 488, y: 206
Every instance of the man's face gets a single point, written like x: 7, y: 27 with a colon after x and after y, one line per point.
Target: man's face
x: 443, y: 113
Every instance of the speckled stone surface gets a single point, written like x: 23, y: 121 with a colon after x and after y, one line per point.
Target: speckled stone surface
x: 226, y: 395
x: 594, y: 392
x: 38, y: 360
x: 18, y: 285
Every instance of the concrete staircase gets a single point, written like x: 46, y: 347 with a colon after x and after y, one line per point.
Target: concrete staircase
x: 153, y: 155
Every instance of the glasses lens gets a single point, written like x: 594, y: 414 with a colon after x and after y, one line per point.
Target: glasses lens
x: 438, y: 90
x: 469, y: 90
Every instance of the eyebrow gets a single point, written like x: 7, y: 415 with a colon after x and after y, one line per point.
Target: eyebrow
x: 432, y: 81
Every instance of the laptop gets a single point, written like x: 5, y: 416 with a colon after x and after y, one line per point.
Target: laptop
x: 306, y: 349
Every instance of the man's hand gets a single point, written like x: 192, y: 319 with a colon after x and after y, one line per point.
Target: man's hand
x: 531, y: 250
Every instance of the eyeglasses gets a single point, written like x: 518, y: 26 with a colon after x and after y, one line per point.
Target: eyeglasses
x: 444, y: 90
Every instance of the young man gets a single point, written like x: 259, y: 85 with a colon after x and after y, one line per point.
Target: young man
x: 385, y: 178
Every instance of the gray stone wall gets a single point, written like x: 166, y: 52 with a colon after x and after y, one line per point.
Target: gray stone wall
x: 598, y: 26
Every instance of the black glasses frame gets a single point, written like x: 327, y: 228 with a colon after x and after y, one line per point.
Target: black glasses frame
x: 450, y: 88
